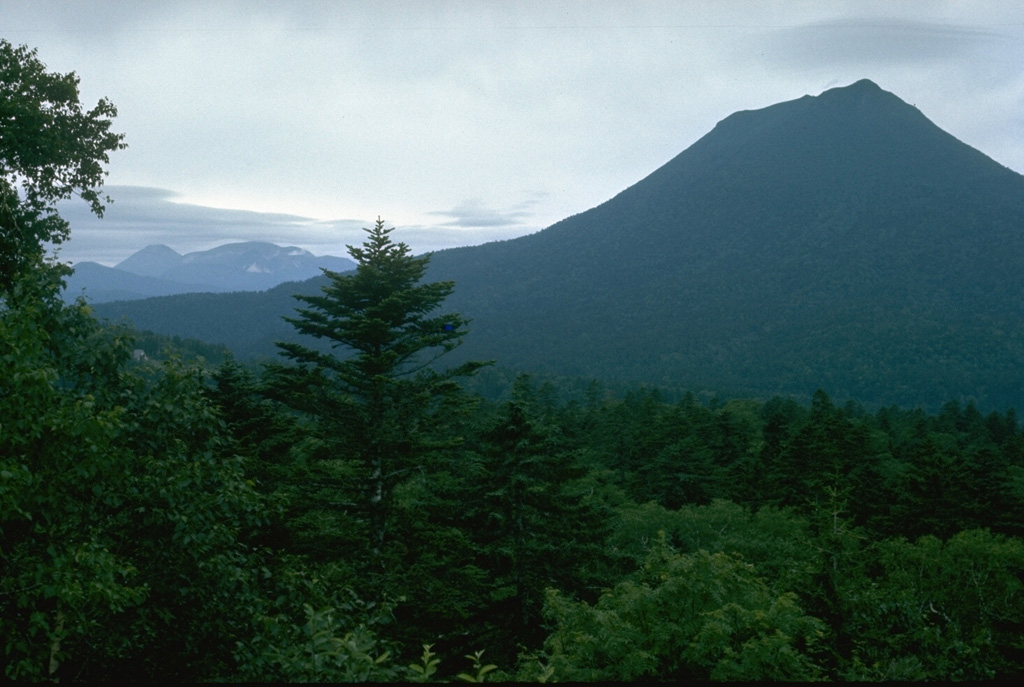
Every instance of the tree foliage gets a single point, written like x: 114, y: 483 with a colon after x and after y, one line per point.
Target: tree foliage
x: 122, y: 505
x: 373, y: 398
x: 533, y: 515
x: 701, y: 615
x: 937, y: 610
x: 50, y: 149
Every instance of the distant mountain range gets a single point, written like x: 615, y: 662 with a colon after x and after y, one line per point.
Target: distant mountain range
x: 840, y: 241
x: 160, y: 271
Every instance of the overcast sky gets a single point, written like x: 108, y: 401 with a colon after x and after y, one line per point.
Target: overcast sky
x: 463, y: 122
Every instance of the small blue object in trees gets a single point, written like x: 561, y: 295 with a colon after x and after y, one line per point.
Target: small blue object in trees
x: 448, y: 326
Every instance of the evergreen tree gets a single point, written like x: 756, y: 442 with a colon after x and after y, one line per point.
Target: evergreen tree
x: 374, y: 398
x: 534, y: 516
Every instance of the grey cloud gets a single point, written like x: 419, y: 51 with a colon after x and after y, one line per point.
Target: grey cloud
x: 473, y: 213
x: 140, y: 204
x: 874, y: 41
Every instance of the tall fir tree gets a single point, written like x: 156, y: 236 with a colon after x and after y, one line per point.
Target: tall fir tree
x: 376, y: 401
x: 534, y: 516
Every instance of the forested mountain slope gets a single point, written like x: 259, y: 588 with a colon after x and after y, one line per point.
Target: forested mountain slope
x: 841, y: 241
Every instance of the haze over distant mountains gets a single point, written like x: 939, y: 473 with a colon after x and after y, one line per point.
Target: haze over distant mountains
x: 160, y: 271
x: 841, y: 241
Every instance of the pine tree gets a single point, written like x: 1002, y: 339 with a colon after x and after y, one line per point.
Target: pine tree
x: 375, y: 398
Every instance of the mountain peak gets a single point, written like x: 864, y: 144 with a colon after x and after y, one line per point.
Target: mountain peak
x: 863, y: 85
x: 859, y: 100
x: 157, y: 250
x: 152, y: 260
x: 845, y: 133
x: 863, y: 93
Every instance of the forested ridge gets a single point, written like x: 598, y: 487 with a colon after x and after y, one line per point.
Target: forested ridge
x: 380, y: 510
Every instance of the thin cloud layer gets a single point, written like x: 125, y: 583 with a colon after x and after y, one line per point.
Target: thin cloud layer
x: 473, y: 213
x: 885, y: 43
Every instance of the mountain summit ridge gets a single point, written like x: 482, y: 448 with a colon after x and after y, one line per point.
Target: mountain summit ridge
x: 158, y: 270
